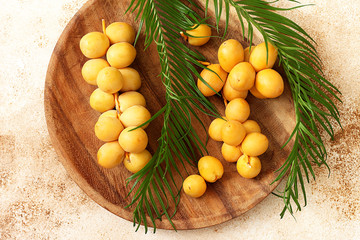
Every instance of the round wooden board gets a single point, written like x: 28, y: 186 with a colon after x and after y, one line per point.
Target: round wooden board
x: 71, y: 122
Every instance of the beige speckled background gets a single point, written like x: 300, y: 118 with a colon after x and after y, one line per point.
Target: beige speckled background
x: 38, y: 199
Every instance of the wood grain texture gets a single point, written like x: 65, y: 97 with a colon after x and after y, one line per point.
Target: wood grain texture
x: 71, y: 121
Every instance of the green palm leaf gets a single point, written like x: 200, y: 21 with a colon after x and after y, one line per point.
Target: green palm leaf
x: 154, y: 188
x: 312, y: 93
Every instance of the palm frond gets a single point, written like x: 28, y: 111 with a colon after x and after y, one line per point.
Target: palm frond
x: 154, y: 188
x: 313, y: 94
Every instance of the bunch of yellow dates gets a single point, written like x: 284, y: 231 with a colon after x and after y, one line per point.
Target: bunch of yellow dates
x: 238, y: 72
x: 122, y: 107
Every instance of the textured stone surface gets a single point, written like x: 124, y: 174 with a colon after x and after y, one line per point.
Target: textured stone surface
x: 38, y: 200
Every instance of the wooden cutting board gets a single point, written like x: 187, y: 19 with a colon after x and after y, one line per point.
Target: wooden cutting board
x: 71, y: 123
